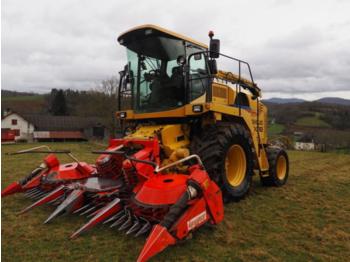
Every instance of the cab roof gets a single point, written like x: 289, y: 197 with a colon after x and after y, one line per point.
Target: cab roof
x: 129, y: 35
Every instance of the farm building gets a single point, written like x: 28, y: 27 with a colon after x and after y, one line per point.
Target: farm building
x: 305, y: 142
x: 53, y: 128
x: 13, y: 122
x: 307, y: 146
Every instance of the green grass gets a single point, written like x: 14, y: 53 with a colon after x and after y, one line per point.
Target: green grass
x: 306, y: 220
x: 312, y: 121
x: 23, y: 98
x: 275, y: 129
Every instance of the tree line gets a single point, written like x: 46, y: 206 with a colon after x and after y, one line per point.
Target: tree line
x: 98, y: 102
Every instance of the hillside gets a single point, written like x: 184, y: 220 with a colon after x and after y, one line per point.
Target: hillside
x: 277, y: 100
x: 324, y: 100
x: 327, y: 124
x: 334, y: 100
x: 313, y: 120
x: 306, y: 220
x: 9, y: 93
x: 23, y: 102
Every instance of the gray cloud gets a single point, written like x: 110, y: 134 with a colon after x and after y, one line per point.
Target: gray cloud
x: 294, y: 47
x: 303, y: 61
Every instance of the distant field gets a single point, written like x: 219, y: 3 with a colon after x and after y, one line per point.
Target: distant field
x: 307, y: 220
x: 28, y: 104
x: 23, y: 98
x: 275, y: 129
x: 311, y: 121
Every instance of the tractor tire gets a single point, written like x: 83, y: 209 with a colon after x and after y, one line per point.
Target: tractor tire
x: 279, y: 167
x: 226, y: 152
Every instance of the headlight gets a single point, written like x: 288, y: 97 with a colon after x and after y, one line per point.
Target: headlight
x: 122, y: 114
x: 197, y: 108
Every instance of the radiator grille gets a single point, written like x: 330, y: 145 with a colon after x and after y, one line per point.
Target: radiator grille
x: 220, y: 92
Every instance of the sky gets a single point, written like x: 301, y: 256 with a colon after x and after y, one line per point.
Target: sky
x: 295, y: 48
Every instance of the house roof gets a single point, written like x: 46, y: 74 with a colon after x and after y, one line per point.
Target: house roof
x: 10, y: 114
x: 62, y: 123
x: 305, y: 139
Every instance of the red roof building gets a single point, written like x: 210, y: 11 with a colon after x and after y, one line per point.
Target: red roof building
x: 54, y: 128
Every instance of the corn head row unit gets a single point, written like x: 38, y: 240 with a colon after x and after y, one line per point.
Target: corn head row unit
x: 193, y: 138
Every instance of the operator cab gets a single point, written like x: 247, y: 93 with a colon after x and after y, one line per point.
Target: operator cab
x: 165, y: 70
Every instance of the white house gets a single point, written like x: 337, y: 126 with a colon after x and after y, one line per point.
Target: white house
x: 23, y: 129
x: 308, y: 146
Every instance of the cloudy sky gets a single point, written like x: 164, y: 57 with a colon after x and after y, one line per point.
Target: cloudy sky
x: 295, y: 48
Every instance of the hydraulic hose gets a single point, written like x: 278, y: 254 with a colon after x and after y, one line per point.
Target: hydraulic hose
x: 29, y: 177
x: 179, y: 207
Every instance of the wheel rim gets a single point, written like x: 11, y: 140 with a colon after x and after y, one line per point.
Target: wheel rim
x: 235, y: 165
x: 281, y: 168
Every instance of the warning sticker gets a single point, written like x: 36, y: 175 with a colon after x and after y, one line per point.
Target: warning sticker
x: 197, y: 220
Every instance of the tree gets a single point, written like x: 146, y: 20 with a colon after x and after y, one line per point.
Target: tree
x: 109, y: 87
x: 58, y: 106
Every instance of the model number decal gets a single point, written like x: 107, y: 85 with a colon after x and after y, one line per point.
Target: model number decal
x: 197, y: 220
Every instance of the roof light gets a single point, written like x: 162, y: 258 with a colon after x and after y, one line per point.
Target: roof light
x: 148, y: 31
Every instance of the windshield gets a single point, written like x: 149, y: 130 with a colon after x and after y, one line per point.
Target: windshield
x: 157, y: 78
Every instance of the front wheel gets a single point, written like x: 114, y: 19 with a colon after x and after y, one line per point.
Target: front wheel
x: 226, y: 151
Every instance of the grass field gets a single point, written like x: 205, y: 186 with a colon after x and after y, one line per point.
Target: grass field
x: 307, y: 220
x: 275, y: 129
x: 24, y: 98
x: 311, y: 121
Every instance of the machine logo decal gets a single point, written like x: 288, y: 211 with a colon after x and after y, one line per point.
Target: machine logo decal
x: 197, y: 220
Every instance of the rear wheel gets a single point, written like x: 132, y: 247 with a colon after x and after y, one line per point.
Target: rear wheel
x: 279, y: 167
x: 227, y: 156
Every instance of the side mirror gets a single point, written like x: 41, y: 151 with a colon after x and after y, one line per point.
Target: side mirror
x: 214, y: 48
x: 212, y: 67
x: 124, y: 71
x: 126, y: 68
